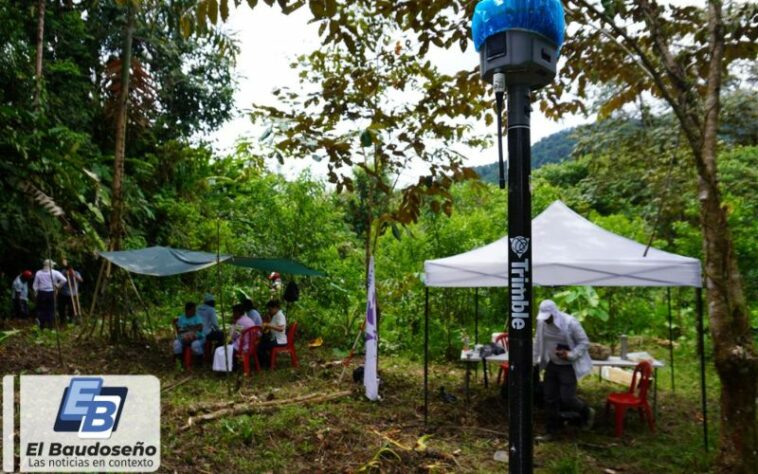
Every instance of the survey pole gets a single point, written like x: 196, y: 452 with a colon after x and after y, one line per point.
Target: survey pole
x: 518, y: 43
x: 519, y: 280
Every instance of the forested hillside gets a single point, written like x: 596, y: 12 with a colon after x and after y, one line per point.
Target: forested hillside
x: 737, y: 128
x: 555, y: 148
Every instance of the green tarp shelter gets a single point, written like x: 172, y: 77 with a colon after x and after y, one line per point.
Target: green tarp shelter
x: 166, y: 261
x: 280, y: 265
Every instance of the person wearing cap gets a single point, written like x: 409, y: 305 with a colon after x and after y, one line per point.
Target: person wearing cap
x: 275, y: 282
x: 20, y: 291
x: 69, y: 291
x: 560, y: 348
x: 207, y: 312
x: 46, y: 282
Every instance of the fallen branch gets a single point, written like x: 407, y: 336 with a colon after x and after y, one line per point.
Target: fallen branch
x: 597, y: 446
x: 176, y: 384
x: 253, y: 407
x: 464, y: 428
x: 477, y: 429
x: 214, y: 406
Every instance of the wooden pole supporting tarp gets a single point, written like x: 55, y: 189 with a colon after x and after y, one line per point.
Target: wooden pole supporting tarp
x: 426, y: 355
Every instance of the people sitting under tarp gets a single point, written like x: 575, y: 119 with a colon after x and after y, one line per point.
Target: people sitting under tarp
x: 274, y: 332
x: 252, y: 311
x: 207, y: 312
x: 189, y: 331
x: 225, y: 358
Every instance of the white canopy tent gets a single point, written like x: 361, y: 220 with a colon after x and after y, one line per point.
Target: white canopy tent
x: 569, y: 250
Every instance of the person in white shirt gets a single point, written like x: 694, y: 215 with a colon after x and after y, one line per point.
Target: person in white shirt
x: 560, y: 348
x: 46, y: 282
x: 274, y: 332
x: 20, y: 293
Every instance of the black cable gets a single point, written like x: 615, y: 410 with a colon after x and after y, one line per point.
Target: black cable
x: 499, y: 85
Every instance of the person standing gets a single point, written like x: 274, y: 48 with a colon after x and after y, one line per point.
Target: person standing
x: 275, y: 330
x: 69, y: 294
x: 560, y: 348
x: 46, y: 282
x: 207, y: 312
x: 20, y: 294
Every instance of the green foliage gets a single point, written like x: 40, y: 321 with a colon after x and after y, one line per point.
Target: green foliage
x: 586, y: 300
x: 6, y: 334
x: 630, y: 174
x: 354, y: 120
x: 56, y: 169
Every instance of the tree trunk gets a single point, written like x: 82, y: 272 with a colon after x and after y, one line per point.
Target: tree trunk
x: 40, y: 53
x: 730, y: 328
x: 729, y: 320
x: 735, y: 359
x: 116, y: 227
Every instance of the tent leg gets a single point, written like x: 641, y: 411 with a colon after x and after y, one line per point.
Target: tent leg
x: 671, y: 341
x: 701, y: 350
x: 476, y: 316
x: 426, y: 357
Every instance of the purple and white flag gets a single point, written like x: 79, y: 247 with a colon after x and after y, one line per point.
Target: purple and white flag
x: 370, y: 380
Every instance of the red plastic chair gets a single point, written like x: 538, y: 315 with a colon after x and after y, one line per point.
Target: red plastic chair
x: 249, y: 348
x: 502, y: 339
x: 288, y: 349
x: 187, y: 352
x: 635, y: 398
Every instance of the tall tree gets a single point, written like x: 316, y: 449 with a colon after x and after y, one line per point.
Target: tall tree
x: 643, y: 47
x: 116, y: 223
x: 40, y: 53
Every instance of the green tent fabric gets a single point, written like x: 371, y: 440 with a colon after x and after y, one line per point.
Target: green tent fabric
x: 166, y: 261
x: 162, y: 261
x: 280, y: 265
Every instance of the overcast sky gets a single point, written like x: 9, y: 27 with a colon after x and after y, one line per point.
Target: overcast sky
x: 269, y: 41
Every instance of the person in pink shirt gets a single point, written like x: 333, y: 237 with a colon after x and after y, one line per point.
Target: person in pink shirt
x: 240, y: 322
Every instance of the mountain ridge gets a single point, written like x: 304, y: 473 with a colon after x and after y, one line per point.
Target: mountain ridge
x: 554, y: 148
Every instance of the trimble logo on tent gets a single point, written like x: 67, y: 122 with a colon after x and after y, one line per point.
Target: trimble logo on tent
x: 90, y: 409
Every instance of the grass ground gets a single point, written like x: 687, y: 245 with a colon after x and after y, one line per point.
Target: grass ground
x: 350, y: 434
